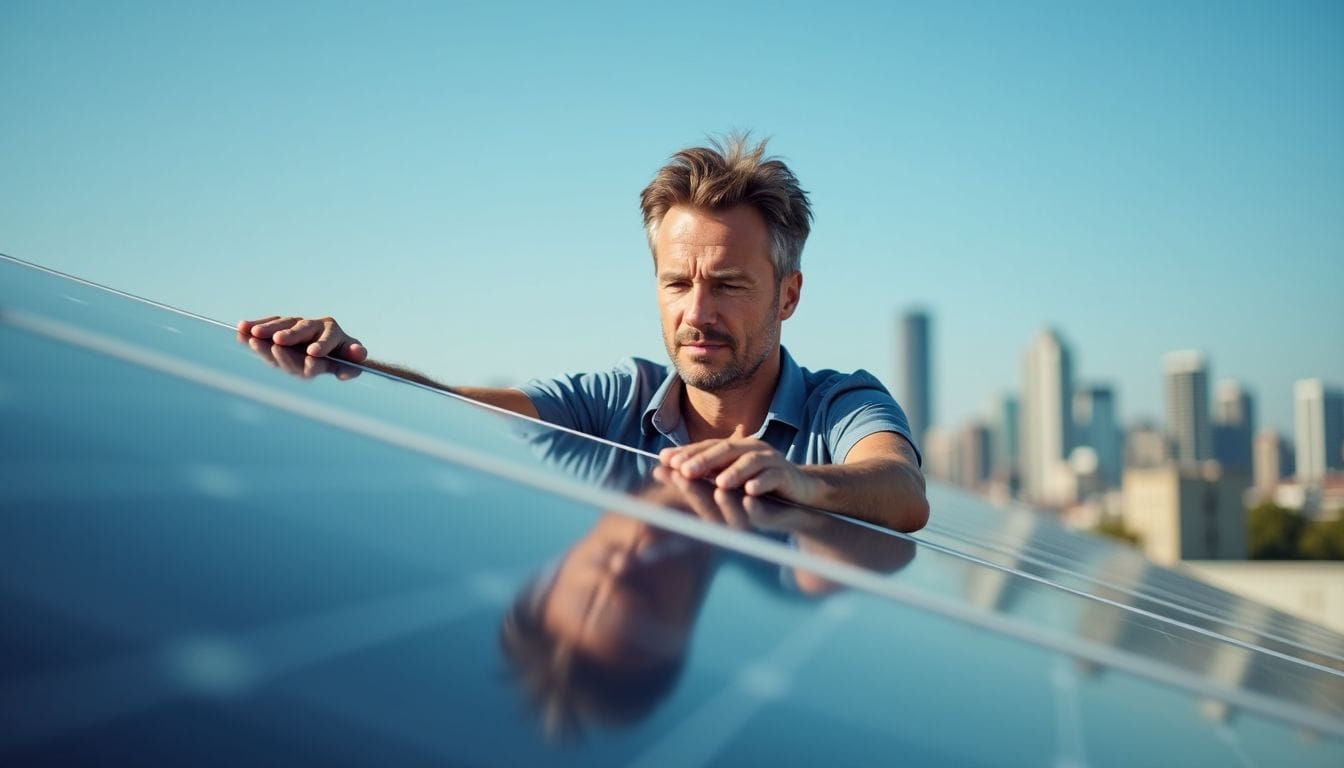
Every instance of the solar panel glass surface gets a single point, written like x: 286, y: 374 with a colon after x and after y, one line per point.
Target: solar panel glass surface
x: 202, y: 558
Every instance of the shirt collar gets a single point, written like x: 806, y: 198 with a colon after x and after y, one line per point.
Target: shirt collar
x: 663, y: 414
x: 790, y: 394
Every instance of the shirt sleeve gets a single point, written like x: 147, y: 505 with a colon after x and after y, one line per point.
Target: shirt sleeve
x: 859, y: 406
x: 584, y: 402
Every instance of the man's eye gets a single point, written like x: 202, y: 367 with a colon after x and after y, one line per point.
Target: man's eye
x: 732, y: 287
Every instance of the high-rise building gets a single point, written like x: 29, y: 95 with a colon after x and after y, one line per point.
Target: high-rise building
x: 1273, y: 459
x: 1318, y: 415
x: 1046, y: 424
x: 916, y: 392
x: 1004, y: 435
x: 973, y: 463
x: 1187, y: 380
x: 1097, y: 427
x: 1233, y: 427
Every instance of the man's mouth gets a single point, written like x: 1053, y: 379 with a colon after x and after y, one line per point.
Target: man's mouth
x: 703, y: 344
x: 703, y: 348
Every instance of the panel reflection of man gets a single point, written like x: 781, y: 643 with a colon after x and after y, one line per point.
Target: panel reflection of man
x: 726, y: 225
x: 602, y: 636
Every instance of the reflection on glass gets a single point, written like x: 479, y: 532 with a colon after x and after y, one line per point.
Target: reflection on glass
x: 600, y: 636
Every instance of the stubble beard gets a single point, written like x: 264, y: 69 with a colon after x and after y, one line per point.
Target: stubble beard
x: 736, y: 373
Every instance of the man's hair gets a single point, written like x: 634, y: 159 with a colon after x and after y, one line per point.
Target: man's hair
x: 565, y: 688
x: 731, y: 172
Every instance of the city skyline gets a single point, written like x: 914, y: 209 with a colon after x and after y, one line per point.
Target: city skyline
x: 461, y: 191
x: 1203, y: 419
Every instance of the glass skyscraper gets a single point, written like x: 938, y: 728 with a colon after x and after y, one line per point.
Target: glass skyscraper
x: 1187, y: 385
x: 916, y: 394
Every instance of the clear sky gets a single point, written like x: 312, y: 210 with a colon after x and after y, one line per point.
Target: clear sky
x: 458, y: 182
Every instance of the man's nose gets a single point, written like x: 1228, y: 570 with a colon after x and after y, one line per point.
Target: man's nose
x: 700, y: 310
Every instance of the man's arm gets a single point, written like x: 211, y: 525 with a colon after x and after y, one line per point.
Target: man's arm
x: 879, y: 481
x: 323, y: 337
x: 500, y: 397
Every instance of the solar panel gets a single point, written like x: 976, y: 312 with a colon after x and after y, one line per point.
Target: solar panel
x: 203, y: 559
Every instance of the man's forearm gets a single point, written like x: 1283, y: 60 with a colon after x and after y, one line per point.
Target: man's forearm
x: 887, y: 492
x: 508, y: 399
x: 408, y: 374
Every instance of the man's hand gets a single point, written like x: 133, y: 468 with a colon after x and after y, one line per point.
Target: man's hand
x: 276, y: 339
x: 816, y: 533
x: 323, y: 336
x: 879, y: 480
x: 745, y: 463
x: 295, y: 362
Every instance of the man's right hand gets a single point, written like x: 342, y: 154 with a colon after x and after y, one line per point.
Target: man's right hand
x: 323, y: 336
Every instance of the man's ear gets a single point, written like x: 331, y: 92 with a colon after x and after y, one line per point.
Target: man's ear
x: 791, y: 288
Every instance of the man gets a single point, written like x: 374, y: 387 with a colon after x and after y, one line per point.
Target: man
x: 726, y: 225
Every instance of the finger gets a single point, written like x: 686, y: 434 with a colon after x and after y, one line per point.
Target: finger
x: 329, y: 339
x: 290, y: 362
x: 662, y: 475
x: 713, y: 458
x: 347, y: 372
x: 316, y: 366
x: 301, y: 332
x: 772, y: 515
x: 351, y: 350
x: 678, y: 455
x: 746, y: 466
x: 699, y: 497
x: 773, y: 480
x: 763, y: 514
x: 263, y: 350
x: 245, y: 326
x: 730, y: 506
x: 268, y: 328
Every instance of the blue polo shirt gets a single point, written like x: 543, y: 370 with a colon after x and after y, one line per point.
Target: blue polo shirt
x: 815, y: 417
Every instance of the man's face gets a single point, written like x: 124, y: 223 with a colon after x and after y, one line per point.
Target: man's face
x: 627, y: 592
x: 720, y: 302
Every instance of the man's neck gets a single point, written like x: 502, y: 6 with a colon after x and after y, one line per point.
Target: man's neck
x: 742, y: 410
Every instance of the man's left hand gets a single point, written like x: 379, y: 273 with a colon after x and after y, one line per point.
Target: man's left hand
x: 746, y: 463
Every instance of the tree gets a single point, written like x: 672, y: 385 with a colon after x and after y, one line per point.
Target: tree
x: 1323, y: 540
x: 1273, y: 532
x: 1114, y: 527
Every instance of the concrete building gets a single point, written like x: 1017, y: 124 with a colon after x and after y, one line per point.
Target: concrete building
x: 1272, y: 461
x: 1318, y: 416
x: 1186, y: 376
x: 916, y: 395
x: 1146, y: 446
x: 1312, y: 590
x: 1186, y: 513
x: 942, y: 457
x: 1318, y: 500
x: 1046, y: 424
x: 1097, y: 426
x: 1233, y: 427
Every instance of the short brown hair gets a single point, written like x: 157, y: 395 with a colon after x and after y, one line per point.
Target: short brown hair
x: 567, y: 689
x: 731, y: 172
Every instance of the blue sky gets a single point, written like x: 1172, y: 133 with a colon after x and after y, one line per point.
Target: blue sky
x: 457, y: 182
